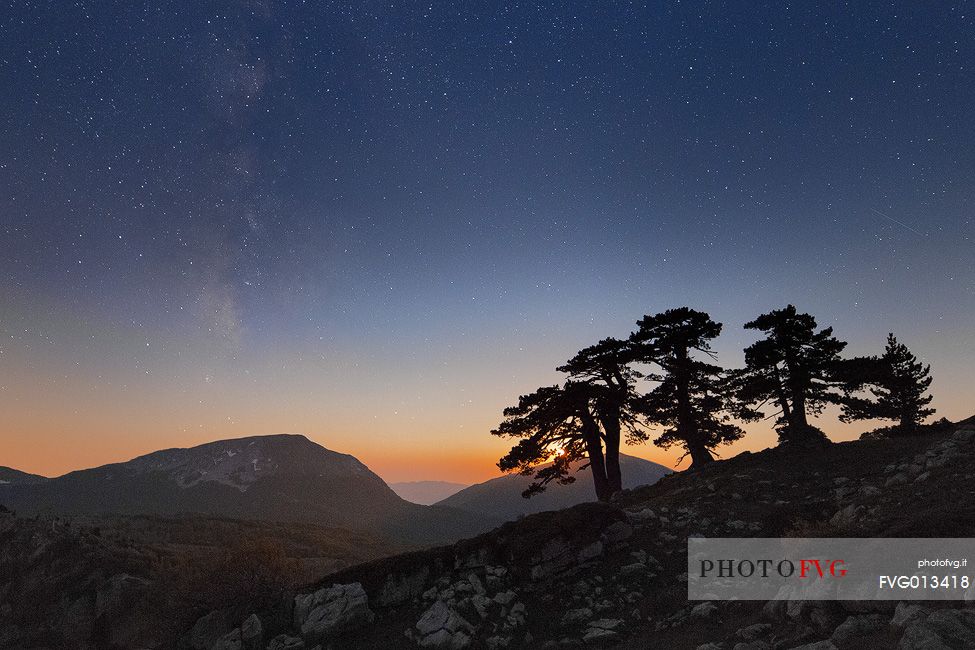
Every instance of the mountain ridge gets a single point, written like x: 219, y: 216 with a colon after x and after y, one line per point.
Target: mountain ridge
x: 279, y: 477
x: 9, y: 475
x: 501, y: 496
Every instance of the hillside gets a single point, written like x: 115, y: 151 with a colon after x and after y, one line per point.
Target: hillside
x: 275, y: 478
x: 10, y: 476
x: 501, y: 497
x: 138, y: 582
x: 611, y: 574
x: 426, y: 492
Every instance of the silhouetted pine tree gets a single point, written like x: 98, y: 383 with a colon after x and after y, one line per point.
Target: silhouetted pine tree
x: 583, y: 419
x: 796, y: 368
x: 898, y: 383
x: 606, y: 368
x: 691, y: 396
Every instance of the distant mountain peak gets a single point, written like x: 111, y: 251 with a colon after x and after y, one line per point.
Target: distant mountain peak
x: 502, y: 496
x: 240, y: 462
x: 280, y: 477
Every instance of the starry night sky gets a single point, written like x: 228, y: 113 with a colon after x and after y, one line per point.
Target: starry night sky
x: 379, y: 223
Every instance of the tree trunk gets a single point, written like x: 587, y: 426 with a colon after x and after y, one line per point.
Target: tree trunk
x: 781, y: 397
x: 597, y: 465
x: 797, y: 390
x: 687, y: 429
x: 614, y: 476
x: 799, y: 410
x: 700, y: 456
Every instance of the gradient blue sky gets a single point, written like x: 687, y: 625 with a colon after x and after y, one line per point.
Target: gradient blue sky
x: 378, y: 224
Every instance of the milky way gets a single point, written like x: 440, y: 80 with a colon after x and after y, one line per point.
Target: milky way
x: 378, y: 224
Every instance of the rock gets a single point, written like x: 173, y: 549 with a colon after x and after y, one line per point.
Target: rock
x: 209, y: 629
x: 482, y: 605
x: 752, y: 645
x: 643, y: 515
x: 117, y: 593
x: 504, y: 598
x: 775, y: 610
x: 637, y: 568
x: 476, y: 583
x: 602, y: 630
x: 869, y: 491
x: 825, y: 616
x: 900, y: 478
x: 907, y: 613
x: 332, y: 610
x: 964, y: 436
x: 947, y: 627
x: 442, y: 627
x: 579, y: 615
x: 753, y: 632
x: 554, y: 557
x: 229, y: 641
x: 497, y: 642
x: 516, y: 618
x: 919, y: 637
x: 617, y: 532
x: 285, y: 642
x: 401, y: 588
x: 847, y: 517
x: 710, y: 645
x: 590, y: 552
x: 857, y: 626
x: 704, y: 611
x: 818, y: 645
x: 885, y: 607
x: 252, y: 633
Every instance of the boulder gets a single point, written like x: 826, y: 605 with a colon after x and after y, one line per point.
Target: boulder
x: 704, y: 611
x: 209, y: 629
x: 332, y: 610
x: 575, y: 616
x: 590, y: 552
x: 857, y: 626
x: 907, y: 613
x: 252, y: 633
x: 753, y: 632
x: 441, y: 627
x: 752, y: 645
x: 285, y: 642
x: 603, y: 630
x: 403, y: 587
x: 617, y: 532
x: 229, y: 641
x: 944, y: 628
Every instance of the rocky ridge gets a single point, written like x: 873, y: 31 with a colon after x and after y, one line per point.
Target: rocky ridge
x: 613, y: 575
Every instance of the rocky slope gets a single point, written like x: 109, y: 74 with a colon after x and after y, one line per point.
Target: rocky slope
x: 613, y: 575
x: 139, y: 582
x: 276, y: 478
x: 501, y: 497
